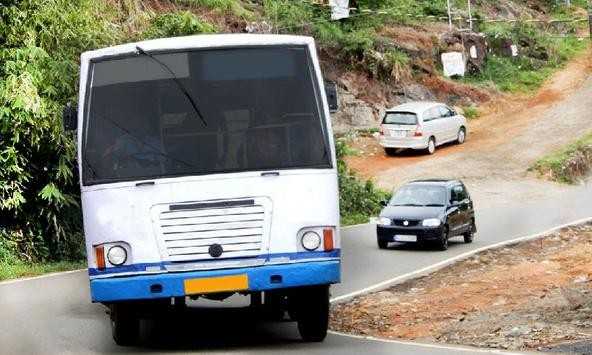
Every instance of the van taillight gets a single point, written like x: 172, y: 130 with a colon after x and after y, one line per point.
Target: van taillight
x: 100, y: 257
x: 418, y: 132
x: 328, y: 243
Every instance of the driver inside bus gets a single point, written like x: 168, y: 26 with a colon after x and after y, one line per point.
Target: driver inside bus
x: 135, y: 153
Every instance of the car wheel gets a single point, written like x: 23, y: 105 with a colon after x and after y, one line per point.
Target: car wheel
x: 443, y: 241
x: 382, y: 244
x: 313, y: 312
x: 390, y: 151
x: 125, y: 325
x: 462, y: 136
x: 431, y: 146
x: 469, y: 235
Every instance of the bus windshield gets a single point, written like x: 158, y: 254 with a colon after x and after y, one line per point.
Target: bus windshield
x: 203, y: 112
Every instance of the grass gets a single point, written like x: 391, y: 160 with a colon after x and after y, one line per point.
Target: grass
x: 471, y: 112
x: 20, y: 269
x: 568, y: 164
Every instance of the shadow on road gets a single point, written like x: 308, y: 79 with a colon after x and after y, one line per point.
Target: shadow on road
x: 201, y: 329
x: 422, y: 247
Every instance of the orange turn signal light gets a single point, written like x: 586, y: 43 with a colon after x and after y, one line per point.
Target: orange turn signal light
x: 100, y: 257
x: 328, y: 239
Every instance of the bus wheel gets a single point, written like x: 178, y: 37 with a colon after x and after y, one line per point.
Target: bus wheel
x: 313, y: 313
x: 125, y: 324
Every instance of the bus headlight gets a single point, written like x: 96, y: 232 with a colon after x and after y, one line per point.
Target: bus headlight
x: 311, y: 241
x: 117, y: 255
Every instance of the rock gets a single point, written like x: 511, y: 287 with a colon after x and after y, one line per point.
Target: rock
x: 259, y: 27
x: 473, y: 45
x: 353, y: 113
x: 414, y: 92
x: 581, y: 279
x: 518, y: 331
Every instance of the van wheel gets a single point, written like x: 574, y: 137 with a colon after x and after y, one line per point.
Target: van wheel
x: 462, y: 136
x: 390, y: 151
x: 431, y: 146
x: 382, y: 244
x: 313, y: 312
x: 125, y: 324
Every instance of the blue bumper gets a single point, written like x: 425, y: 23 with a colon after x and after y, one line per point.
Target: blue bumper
x: 260, y: 278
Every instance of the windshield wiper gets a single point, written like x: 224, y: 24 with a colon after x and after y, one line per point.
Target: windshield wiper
x: 408, y: 205
x: 434, y: 205
x: 176, y: 80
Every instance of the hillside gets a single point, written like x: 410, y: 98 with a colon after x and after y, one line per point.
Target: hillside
x: 385, y: 53
x: 388, y: 51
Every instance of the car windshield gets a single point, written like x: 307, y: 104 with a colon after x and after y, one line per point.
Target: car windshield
x: 419, y: 195
x: 203, y: 112
x: 402, y: 118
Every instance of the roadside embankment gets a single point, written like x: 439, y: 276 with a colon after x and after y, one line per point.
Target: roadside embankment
x: 526, y: 296
x: 569, y: 164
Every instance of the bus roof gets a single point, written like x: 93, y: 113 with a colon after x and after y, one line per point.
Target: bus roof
x: 199, y: 41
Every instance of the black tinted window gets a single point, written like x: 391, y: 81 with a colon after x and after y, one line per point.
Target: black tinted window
x: 401, y: 118
x: 459, y: 193
x: 419, y: 195
x: 260, y: 107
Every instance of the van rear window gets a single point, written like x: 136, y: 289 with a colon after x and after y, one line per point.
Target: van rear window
x: 402, y: 118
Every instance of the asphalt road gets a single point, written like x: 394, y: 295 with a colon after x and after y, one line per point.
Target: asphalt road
x: 53, y: 315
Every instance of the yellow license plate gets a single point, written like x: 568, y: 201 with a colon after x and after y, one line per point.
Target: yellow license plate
x: 216, y: 284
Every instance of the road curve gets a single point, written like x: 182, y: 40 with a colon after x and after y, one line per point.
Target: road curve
x: 53, y: 315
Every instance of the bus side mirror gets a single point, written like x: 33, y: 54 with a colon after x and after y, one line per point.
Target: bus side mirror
x: 69, y: 118
x: 332, y: 99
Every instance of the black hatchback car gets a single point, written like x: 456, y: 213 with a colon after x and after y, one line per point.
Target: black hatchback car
x: 427, y: 211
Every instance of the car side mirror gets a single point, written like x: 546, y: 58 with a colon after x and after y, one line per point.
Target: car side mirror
x: 332, y: 98
x: 69, y: 118
x: 384, y: 203
x: 454, y: 203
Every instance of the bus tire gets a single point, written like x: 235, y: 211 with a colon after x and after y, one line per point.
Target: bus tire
x: 125, y: 324
x: 313, y: 313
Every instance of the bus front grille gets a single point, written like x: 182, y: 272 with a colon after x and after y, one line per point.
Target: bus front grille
x: 214, y: 230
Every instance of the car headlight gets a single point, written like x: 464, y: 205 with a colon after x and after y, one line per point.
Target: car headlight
x: 117, y: 255
x: 311, y: 241
x: 431, y: 222
x: 384, y: 221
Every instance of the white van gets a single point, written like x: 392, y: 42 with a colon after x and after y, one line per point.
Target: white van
x: 421, y: 125
x: 207, y: 168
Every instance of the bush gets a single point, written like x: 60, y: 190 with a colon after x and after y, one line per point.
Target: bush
x: 233, y: 7
x: 471, y: 112
x: 175, y: 24
x: 358, y: 200
x: 568, y: 164
x: 40, y: 43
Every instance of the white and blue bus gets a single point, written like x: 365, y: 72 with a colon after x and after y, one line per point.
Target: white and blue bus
x: 207, y: 168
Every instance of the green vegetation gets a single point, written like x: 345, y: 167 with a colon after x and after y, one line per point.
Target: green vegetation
x: 40, y: 45
x: 174, y: 24
x: 16, y: 270
x: 568, y: 164
x: 537, y: 61
x: 471, y: 112
x: 358, y: 200
x: 233, y: 7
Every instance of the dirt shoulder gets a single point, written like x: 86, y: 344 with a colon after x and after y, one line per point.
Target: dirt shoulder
x: 532, y: 295
x: 512, y: 133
